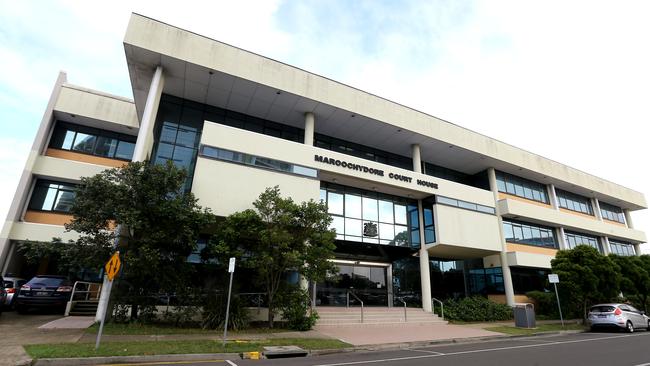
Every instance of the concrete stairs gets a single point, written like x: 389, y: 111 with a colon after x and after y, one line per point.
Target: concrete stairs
x: 84, y: 308
x: 341, y: 316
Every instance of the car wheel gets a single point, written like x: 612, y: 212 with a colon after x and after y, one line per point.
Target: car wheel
x: 629, y: 327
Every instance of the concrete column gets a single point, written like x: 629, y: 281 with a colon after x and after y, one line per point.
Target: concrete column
x: 553, y: 197
x: 596, y: 205
x: 425, y: 275
x: 628, y: 219
x: 505, y: 268
x: 561, y: 238
x: 309, y: 129
x: 143, y: 146
x: 416, y: 156
x: 637, y: 249
x: 144, y: 143
x: 605, y: 243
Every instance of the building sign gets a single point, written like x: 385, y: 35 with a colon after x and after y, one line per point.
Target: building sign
x: 370, y: 229
x: 368, y: 170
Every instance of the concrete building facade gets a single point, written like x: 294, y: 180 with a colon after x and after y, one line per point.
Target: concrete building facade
x: 422, y: 208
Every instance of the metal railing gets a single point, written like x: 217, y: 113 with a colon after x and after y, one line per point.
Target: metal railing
x: 254, y: 298
x: 347, y: 295
x: 88, y: 290
x: 442, y: 307
x: 403, y: 302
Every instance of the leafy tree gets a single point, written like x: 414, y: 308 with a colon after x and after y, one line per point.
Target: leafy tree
x: 160, y: 223
x: 586, y: 277
x: 635, y: 279
x: 278, y: 236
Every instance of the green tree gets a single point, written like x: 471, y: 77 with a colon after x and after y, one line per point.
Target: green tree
x: 635, y: 279
x: 586, y: 276
x: 160, y: 223
x: 278, y: 236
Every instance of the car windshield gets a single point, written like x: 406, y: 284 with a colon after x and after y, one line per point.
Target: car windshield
x: 46, y: 281
x: 601, y: 309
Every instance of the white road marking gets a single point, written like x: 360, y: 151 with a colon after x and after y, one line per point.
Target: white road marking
x: 482, y: 350
x: 643, y: 364
x: 425, y: 351
x: 231, y: 363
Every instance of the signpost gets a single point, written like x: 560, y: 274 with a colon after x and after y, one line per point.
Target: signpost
x: 112, y: 268
x: 231, y: 270
x: 555, y: 279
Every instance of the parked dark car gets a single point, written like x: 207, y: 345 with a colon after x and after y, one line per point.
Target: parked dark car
x: 3, y: 293
x: 12, y: 287
x: 44, y: 292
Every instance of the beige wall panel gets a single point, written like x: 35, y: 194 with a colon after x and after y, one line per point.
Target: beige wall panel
x: 524, y: 259
x: 549, y: 216
x: 261, y: 145
x: 164, y: 39
x: 96, y: 105
x: 48, y: 166
x: 466, y: 228
x: 492, y: 261
x: 227, y: 188
x: 39, y: 232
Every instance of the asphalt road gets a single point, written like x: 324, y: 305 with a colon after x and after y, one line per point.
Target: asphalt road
x: 607, y: 349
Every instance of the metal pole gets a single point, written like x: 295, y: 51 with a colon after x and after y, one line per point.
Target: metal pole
x: 225, y: 326
x: 101, y: 324
x: 558, y: 304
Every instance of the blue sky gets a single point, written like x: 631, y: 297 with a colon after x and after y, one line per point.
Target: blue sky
x: 565, y: 79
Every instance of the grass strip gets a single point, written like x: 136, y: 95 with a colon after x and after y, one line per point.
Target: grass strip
x: 540, y: 328
x: 62, y: 350
x: 160, y: 329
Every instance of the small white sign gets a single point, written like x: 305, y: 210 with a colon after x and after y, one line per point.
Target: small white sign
x: 553, y: 278
x: 231, y: 265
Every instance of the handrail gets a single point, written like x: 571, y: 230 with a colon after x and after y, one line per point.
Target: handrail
x: 403, y: 302
x: 347, y: 294
x: 68, y: 306
x: 442, y: 307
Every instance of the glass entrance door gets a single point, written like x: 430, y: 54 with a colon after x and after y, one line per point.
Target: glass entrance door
x: 369, y: 283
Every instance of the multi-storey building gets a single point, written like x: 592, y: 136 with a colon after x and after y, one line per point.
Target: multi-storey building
x: 422, y: 207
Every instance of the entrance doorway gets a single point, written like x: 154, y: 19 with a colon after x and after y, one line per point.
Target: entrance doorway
x: 370, y: 282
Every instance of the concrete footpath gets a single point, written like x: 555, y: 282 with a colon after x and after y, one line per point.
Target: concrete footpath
x: 37, y: 329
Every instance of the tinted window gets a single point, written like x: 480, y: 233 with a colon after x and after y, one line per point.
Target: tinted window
x: 601, y: 309
x: 511, y: 184
x: 47, y: 281
x: 8, y: 284
x: 87, y: 140
x: 574, y: 202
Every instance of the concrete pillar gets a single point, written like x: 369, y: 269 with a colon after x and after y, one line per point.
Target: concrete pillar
x: 628, y: 219
x: 507, y: 277
x: 561, y: 238
x: 143, y: 146
x: 309, y: 129
x: 425, y: 275
x: 553, y: 197
x: 637, y: 249
x: 417, y: 159
x: 596, y: 205
x: 605, y: 243
x: 144, y: 143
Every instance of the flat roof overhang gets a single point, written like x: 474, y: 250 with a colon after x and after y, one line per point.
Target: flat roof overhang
x: 206, y: 71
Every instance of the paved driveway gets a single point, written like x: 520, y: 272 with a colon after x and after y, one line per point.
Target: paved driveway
x: 17, y: 330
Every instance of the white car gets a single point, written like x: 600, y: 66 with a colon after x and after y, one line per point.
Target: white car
x: 617, y: 316
x: 12, y: 287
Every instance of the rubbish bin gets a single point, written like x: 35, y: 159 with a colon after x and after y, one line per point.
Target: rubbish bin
x: 524, y: 315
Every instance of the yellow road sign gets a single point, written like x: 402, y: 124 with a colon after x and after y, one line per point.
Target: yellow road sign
x: 113, y: 266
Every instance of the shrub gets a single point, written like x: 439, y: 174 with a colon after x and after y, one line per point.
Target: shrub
x: 472, y: 309
x: 545, y: 303
x: 295, y: 307
x: 214, y: 313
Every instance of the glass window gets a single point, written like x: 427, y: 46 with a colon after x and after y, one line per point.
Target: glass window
x: 67, y: 142
x: 612, y: 213
x: 338, y: 224
x: 52, y: 196
x: 621, y: 248
x: 335, y: 203
x: 400, y: 214
x: 86, y: 140
x: 323, y: 195
x: 352, y: 227
x: 525, y: 233
x: 511, y: 184
x: 386, y: 231
x: 386, y: 211
x: 574, y: 202
x: 370, y: 209
x: 575, y: 239
x: 352, y: 206
x: 83, y: 143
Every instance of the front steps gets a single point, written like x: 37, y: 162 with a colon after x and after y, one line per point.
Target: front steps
x: 84, y: 308
x: 340, y: 316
